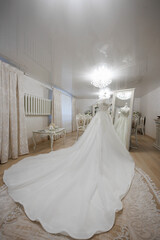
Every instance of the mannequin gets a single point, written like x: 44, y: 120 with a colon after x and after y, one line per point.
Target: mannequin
x: 104, y: 104
x: 125, y: 107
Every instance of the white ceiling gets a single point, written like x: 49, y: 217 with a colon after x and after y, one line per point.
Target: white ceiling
x: 82, y: 34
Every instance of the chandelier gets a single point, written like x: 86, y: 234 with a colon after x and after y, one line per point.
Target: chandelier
x: 101, y: 78
x: 124, y: 95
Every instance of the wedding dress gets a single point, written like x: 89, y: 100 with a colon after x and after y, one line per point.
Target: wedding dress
x: 121, y: 125
x: 75, y: 191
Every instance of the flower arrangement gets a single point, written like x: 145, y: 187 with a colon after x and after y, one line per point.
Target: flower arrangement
x: 51, y: 126
x: 88, y: 112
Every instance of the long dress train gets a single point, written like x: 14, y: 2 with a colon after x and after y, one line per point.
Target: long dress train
x: 75, y: 191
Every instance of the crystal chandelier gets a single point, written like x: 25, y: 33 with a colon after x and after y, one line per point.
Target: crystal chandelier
x: 124, y: 95
x: 101, y: 78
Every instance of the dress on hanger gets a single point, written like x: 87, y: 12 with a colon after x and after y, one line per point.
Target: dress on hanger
x: 121, y: 125
x: 75, y: 191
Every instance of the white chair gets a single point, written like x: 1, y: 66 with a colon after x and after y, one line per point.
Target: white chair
x: 88, y: 118
x: 80, y: 122
x: 135, y: 122
x: 141, y: 125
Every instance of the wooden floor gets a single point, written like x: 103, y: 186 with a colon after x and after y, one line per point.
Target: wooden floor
x: 145, y: 156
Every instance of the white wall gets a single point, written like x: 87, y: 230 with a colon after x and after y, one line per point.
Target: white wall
x: 85, y: 104
x: 137, y: 105
x: 150, y: 107
x: 35, y: 122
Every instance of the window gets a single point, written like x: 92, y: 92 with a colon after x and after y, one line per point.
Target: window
x: 67, y: 112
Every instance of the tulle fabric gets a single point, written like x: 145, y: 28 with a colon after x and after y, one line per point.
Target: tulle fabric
x: 121, y: 125
x: 75, y: 191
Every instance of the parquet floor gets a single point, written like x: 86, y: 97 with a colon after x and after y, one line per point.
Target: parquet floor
x: 145, y: 156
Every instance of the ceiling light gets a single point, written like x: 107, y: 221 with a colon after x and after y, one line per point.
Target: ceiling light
x: 124, y: 95
x: 101, y: 77
x: 105, y: 93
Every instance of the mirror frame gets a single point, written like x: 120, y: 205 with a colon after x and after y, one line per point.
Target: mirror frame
x: 132, y: 90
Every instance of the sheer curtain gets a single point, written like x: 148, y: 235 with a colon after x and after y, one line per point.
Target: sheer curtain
x: 73, y: 114
x: 62, y: 114
x: 13, y: 134
x: 57, y: 107
x: 67, y: 112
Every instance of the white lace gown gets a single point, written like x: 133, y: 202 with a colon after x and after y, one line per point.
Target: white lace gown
x: 75, y: 191
x: 121, y: 125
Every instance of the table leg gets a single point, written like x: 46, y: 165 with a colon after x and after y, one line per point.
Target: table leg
x: 51, y: 137
x: 34, y: 141
x: 64, y: 136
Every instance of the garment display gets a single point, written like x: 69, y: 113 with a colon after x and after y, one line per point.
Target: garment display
x: 121, y: 124
x: 75, y: 191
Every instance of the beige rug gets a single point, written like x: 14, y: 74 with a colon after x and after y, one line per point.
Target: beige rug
x: 139, y: 219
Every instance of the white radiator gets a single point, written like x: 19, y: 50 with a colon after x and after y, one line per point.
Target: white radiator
x: 36, y: 105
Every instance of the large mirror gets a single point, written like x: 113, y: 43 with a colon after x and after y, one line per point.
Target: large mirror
x: 122, y: 110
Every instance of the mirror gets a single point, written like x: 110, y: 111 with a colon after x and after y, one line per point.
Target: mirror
x: 122, y: 110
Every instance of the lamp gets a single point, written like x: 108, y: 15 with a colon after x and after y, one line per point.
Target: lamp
x: 105, y: 93
x: 124, y: 95
x: 101, y: 78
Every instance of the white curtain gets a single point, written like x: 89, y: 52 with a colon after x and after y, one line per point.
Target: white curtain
x: 62, y: 114
x: 57, y: 107
x: 67, y: 112
x: 73, y: 114
x: 13, y: 134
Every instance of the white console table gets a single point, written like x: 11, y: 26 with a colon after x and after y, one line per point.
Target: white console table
x: 51, y: 134
x: 157, y: 142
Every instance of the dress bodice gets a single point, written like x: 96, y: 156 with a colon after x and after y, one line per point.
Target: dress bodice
x: 103, y: 106
x: 125, y: 111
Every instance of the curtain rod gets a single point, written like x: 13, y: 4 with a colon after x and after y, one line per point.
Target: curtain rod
x: 19, y: 67
x: 11, y: 62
